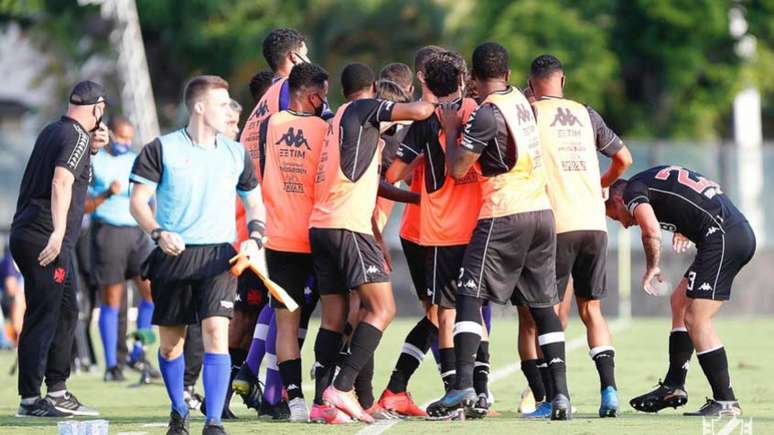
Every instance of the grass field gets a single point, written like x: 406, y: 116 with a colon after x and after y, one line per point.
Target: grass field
x: 641, y: 353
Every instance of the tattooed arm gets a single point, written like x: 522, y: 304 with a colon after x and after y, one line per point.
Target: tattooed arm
x: 651, y: 242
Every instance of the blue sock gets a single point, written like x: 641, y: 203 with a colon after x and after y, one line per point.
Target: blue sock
x: 108, y: 330
x: 144, y: 315
x: 215, y: 376
x: 172, y: 372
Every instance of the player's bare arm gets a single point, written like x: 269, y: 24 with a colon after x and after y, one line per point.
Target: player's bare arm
x: 388, y: 191
x: 139, y: 205
x: 620, y: 162
x: 416, y: 111
x: 651, y: 241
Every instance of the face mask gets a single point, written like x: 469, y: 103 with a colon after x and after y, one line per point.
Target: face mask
x: 318, y: 111
x: 118, y: 148
x: 99, y: 120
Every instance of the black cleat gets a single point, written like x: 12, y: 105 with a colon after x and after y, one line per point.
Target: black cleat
x: 446, y: 407
x: 248, y: 387
x: 717, y: 408
x: 69, y: 403
x: 213, y: 429
x: 561, y: 409
x: 178, y: 424
x: 662, y: 397
x: 114, y: 374
x: 227, y: 414
x: 280, y: 411
x: 41, y: 408
x: 481, y: 408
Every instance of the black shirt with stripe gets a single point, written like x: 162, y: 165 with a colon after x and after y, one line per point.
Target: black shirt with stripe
x: 683, y: 200
x: 359, y: 134
x: 66, y: 144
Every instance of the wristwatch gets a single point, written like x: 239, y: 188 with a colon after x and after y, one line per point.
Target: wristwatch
x: 155, y: 234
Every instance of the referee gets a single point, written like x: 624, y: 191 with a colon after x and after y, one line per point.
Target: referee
x: 195, y: 172
x: 43, y: 235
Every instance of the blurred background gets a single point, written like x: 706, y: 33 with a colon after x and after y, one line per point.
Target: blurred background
x: 685, y: 82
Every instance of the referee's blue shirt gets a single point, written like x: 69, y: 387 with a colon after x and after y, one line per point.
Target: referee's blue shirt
x: 107, y: 168
x: 195, y: 185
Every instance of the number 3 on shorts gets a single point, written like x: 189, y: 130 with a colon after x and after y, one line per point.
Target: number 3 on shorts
x: 691, y: 279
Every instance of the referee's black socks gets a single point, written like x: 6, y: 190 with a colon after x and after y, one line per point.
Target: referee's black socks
x: 415, y: 347
x: 551, y: 341
x: 680, y: 351
x: 364, y: 342
x: 467, y: 337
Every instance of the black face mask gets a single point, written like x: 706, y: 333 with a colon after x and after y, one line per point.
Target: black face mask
x: 99, y: 120
x: 318, y: 111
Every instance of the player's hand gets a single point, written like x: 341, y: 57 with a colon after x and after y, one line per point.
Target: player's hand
x: 680, y: 243
x: 171, y: 243
x: 52, y: 249
x: 251, y: 247
x: 115, y: 187
x: 647, y: 279
x: 449, y: 117
x: 99, y: 137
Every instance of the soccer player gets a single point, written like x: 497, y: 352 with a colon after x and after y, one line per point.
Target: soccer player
x: 289, y: 151
x: 683, y: 201
x: 194, y: 173
x: 571, y: 134
x: 119, y: 246
x: 260, y: 83
x: 449, y: 211
x: 344, y: 251
x: 513, y: 246
x: 399, y: 73
x: 45, y: 228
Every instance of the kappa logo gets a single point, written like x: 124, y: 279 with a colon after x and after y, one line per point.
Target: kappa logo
x: 292, y: 387
x: 565, y: 118
x: 263, y: 109
x: 470, y: 284
x: 705, y: 287
x: 227, y: 304
x: 238, y: 298
x: 59, y: 275
x: 555, y: 360
x: 429, y: 292
x: 523, y: 113
x: 711, y: 231
x: 294, y: 139
x: 372, y: 269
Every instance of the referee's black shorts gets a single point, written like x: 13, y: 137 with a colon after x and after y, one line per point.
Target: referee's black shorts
x: 117, y: 252
x: 191, y: 286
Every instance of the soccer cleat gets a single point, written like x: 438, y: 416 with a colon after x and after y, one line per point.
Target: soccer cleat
x: 114, y: 374
x: 69, y: 403
x: 717, y: 408
x: 328, y: 415
x: 41, y: 408
x: 280, y: 411
x: 143, y: 366
x: 608, y: 406
x: 481, y: 407
x: 347, y: 402
x: 213, y: 429
x: 561, y: 409
x: 298, y: 411
x: 227, y: 413
x: 380, y: 413
x: 662, y: 397
x: 401, y: 403
x: 192, y: 399
x: 447, y: 405
x: 542, y: 410
x: 527, y: 403
x: 244, y: 381
x: 178, y: 424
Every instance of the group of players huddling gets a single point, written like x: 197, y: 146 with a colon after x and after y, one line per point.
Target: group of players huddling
x: 506, y: 202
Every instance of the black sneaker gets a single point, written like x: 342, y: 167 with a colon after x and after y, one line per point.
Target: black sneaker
x: 662, y: 397
x: 213, y: 429
x: 248, y: 387
x: 481, y: 408
x: 561, y: 409
x: 69, y: 403
x: 718, y: 408
x: 114, y: 374
x: 41, y: 408
x: 178, y: 424
x: 280, y: 411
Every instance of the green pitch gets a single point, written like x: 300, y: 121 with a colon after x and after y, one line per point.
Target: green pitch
x: 641, y: 353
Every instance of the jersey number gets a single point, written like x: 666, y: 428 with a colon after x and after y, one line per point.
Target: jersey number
x: 684, y: 177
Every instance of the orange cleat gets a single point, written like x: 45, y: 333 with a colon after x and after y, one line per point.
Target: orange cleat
x: 401, y: 403
x: 327, y: 414
x: 347, y: 402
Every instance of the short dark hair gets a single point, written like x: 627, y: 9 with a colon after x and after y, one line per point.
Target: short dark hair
x: 443, y: 72
x: 117, y: 120
x: 260, y: 83
x: 424, y: 53
x: 356, y: 76
x: 544, y: 65
x: 197, y: 86
x: 399, y: 73
x: 490, y: 61
x: 616, y: 189
x: 306, y: 75
x: 391, y: 91
x: 279, y: 43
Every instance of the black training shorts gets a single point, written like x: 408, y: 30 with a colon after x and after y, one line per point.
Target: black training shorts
x: 442, y: 273
x: 344, y: 260
x: 582, y: 255
x: 117, y: 252
x: 294, y: 272
x: 416, y: 259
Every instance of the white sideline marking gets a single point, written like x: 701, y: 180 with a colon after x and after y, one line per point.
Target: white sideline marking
x: 154, y: 425
x: 132, y: 433
x: 497, y: 375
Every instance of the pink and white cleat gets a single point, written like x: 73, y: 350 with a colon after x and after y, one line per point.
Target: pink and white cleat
x: 347, y: 402
x: 328, y: 414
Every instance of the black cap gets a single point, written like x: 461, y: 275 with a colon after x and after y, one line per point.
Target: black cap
x: 88, y: 92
